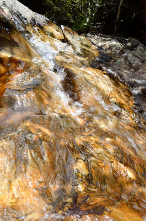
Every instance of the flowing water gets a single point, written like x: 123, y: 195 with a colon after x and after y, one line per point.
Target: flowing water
x: 72, y: 146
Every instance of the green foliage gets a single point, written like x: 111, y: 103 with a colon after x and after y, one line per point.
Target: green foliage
x: 87, y: 15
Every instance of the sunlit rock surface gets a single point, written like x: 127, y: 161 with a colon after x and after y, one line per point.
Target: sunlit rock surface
x: 124, y: 59
x: 73, y: 145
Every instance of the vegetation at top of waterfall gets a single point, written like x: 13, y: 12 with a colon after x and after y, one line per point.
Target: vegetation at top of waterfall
x: 93, y: 15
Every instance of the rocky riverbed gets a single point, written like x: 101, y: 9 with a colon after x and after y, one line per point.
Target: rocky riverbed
x: 72, y: 122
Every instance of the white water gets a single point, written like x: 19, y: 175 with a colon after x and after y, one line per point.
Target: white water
x: 48, y: 54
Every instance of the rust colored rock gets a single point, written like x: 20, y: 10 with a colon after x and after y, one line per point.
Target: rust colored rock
x: 71, y: 143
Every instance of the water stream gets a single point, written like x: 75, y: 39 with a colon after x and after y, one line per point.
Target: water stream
x: 71, y: 144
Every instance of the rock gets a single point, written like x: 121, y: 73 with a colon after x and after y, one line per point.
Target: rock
x: 108, y: 44
x: 81, y: 45
x: 72, y: 142
x: 14, y: 9
x: 128, y: 64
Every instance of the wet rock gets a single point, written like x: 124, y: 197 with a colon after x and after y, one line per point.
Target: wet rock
x: 10, y: 44
x: 128, y: 64
x: 53, y: 30
x: 81, y: 45
x: 71, y: 145
x: 107, y: 44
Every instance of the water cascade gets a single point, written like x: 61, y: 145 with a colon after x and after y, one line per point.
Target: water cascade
x: 72, y: 143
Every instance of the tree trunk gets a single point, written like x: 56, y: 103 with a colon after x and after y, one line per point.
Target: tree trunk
x: 118, y: 16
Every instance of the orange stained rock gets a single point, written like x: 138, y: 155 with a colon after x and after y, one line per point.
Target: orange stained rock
x: 71, y: 59
x: 71, y: 147
x: 53, y: 30
x: 81, y: 44
x: 41, y: 128
x: 123, y: 212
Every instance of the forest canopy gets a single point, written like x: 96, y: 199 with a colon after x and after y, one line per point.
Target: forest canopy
x: 93, y: 15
